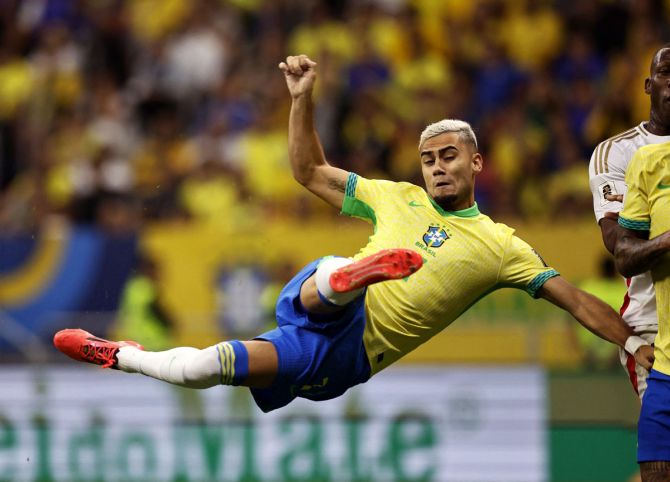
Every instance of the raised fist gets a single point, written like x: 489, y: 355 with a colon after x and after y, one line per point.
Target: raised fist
x: 300, y: 73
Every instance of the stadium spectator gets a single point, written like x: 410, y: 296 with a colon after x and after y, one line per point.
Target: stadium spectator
x: 142, y: 314
x: 531, y: 32
x: 197, y: 57
x: 102, y: 63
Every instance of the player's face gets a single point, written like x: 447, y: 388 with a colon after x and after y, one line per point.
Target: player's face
x: 658, y: 88
x: 449, y: 167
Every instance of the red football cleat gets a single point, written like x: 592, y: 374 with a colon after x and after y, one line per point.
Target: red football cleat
x: 83, y: 346
x: 385, y: 265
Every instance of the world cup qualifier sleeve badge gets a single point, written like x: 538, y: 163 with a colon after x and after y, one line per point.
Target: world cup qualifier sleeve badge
x: 607, y: 188
x: 435, y: 236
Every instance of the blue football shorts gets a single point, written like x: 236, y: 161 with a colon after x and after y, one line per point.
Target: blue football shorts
x: 653, y: 430
x: 320, y: 356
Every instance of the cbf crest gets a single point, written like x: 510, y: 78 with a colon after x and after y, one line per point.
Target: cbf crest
x: 435, y: 236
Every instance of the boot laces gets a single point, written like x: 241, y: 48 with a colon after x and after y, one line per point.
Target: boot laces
x: 99, y: 354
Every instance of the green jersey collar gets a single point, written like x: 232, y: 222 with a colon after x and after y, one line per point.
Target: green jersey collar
x: 470, y: 212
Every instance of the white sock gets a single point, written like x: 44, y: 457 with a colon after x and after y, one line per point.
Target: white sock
x: 322, y: 279
x: 184, y: 366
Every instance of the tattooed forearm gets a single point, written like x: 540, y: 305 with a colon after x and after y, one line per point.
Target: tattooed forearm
x: 634, y: 256
x: 337, y: 185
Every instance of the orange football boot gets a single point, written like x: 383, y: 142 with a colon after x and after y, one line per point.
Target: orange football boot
x: 387, y: 264
x: 85, y: 347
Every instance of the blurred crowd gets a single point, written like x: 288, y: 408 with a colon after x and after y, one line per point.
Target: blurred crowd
x: 118, y: 113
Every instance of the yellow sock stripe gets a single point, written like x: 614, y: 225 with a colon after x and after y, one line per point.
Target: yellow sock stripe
x: 230, y: 354
x: 222, y: 362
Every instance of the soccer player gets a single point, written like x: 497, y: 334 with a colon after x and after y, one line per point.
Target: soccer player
x: 646, y: 215
x: 341, y: 321
x: 607, y: 171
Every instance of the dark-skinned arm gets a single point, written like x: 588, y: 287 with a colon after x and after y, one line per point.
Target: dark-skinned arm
x: 611, y: 231
x: 635, y: 254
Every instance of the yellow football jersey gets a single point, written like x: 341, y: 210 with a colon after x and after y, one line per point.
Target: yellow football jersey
x: 647, y: 208
x: 466, y: 256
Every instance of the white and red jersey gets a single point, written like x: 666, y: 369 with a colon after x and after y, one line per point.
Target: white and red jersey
x: 607, y: 172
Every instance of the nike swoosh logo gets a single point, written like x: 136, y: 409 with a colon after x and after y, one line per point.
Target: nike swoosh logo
x: 415, y: 204
x: 663, y: 186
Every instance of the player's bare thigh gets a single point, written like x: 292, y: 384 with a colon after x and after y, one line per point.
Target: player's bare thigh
x: 263, y: 364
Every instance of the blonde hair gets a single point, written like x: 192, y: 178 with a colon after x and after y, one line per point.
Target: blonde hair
x: 463, y: 129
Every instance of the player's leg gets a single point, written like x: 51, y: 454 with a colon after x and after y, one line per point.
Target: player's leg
x: 240, y: 363
x: 251, y: 363
x: 638, y: 376
x: 338, y: 281
x: 247, y: 363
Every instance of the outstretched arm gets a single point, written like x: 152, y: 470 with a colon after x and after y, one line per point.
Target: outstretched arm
x: 308, y: 161
x: 597, y: 317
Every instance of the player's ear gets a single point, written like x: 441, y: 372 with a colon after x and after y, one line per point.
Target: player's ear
x: 477, y: 162
x: 647, y: 86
